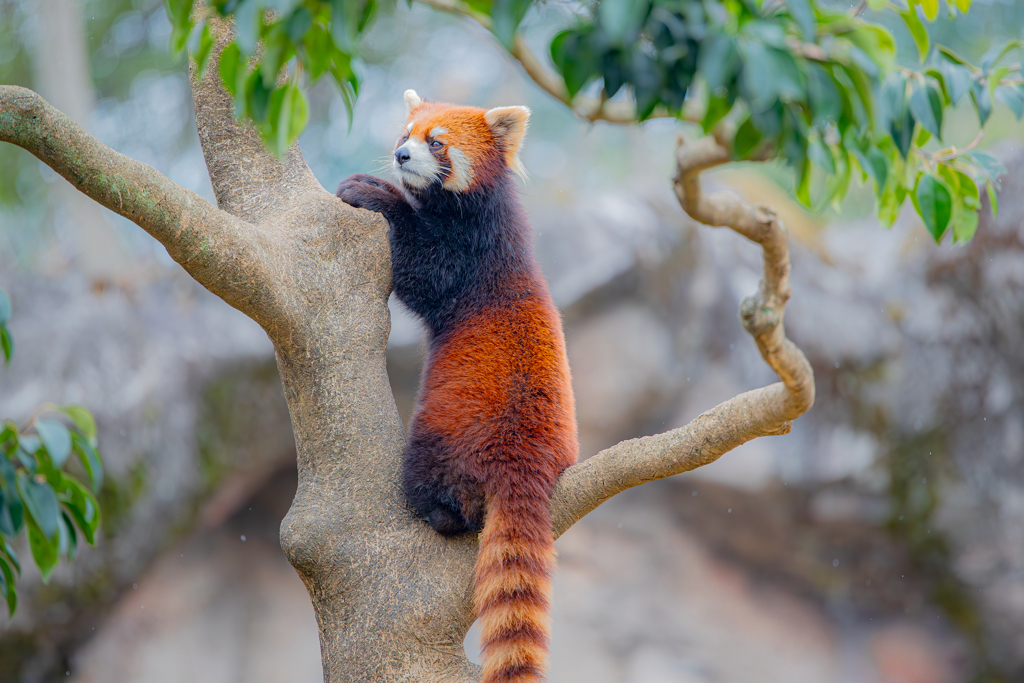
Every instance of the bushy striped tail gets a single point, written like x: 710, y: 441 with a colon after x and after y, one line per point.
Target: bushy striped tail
x: 513, y: 588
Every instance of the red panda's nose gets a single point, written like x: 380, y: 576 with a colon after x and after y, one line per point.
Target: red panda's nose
x: 402, y: 155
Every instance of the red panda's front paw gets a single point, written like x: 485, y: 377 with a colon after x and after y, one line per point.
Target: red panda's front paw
x: 366, y: 192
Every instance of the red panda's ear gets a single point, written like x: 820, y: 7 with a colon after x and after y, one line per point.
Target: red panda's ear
x: 412, y: 100
x: 508, y: 124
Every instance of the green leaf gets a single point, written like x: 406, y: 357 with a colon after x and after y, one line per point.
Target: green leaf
x: 68, y: 538
x: 41, y: 503
x: 56, y: 439
x: 318, y: 52
x: 1012, y: 98
x: 5, y: 308
x: 901, y: 130
x: 952, y: 56
x: 577, y: 63
x: 299, y: 24
x: 962, y: 5
x: 7, y: 551
x: 82, y: 506
x: 803, y: 14
x: 934, y: 204
x: 837, y: 187
x: 6, y: 521
x: 873, y: 162
x: 917, y: 31
x: 747, y: 140
x: 965, y: 225
x: 926, y: 106
x: 803, y: 184
x: 82, y: 419
x: 6, y: 344
x: 823, y: 95
x: 982, y: 101
x: 718, y: 107
x: 890, y: 202
x: 821, y: 155
x: 989, y: 165
x: 958, y: 80
x: 7, y: 587
x: 874, y: 47
x: 968, y: 190
x: 718, y: 59
x: 622, y: 19
x: 204, y: 50
x: 248, y: 22
x: 506, y: 16
x: 44, y: 550
x: 993, y: 197
x: 931, y: 8
x: 759, y: 79
x: 90, y: 460
x: 8, y: 432
x: 231, y: 63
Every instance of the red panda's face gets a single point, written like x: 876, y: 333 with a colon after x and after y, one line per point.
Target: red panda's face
x: 462, y: 147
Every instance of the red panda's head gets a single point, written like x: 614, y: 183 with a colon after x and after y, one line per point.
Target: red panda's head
x: 463, y: 147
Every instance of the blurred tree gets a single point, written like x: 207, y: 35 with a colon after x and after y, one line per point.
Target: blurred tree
x: 60, y: 65
x: 819, y: 89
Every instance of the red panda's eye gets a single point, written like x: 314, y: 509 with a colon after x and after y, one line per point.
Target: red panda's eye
x: 436, y: 144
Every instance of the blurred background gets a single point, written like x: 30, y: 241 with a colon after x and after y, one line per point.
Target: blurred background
x: 881, y: 541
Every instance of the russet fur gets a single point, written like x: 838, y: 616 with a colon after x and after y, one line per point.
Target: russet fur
x: 495, y: 422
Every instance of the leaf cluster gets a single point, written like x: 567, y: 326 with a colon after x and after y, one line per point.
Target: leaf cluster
x: 819, y: 89
x: 278, y: 47
x: 36, y: 495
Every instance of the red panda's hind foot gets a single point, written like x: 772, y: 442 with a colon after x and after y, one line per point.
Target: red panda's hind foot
x: 442, y: 512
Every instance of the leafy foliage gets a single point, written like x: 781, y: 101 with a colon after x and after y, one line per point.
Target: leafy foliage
x: 820, y: 89
x: 36, y: 495
x: 788, y: 79
x: 312, y: 38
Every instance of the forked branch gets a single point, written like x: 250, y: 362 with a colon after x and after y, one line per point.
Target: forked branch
x: 247, y: 180
x: 761, y: 412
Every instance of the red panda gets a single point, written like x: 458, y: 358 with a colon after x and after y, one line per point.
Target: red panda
x: 495, y: 420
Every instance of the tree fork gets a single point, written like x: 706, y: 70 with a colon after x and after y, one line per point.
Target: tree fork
x: 392, y: 598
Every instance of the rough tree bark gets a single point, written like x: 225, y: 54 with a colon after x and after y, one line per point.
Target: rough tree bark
x: 392, y: 597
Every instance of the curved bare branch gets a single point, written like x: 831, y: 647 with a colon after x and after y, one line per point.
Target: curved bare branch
x: 220, y: 251
x: 762, y: 412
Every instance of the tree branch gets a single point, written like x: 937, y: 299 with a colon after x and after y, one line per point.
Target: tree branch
x: 762, y: 412
x: 248, y: 181
x: 218, y: 250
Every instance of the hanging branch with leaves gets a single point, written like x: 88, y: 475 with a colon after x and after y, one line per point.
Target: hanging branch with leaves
x: 818, y: 89
x: 36, y: 495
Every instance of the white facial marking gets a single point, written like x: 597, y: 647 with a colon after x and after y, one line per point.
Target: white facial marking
x: 438, y: 130
x: 409, y: 127
x: 420, y: 169
x: 462, y: 171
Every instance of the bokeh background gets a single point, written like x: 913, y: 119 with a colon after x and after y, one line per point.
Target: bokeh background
x: 882, y: 541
